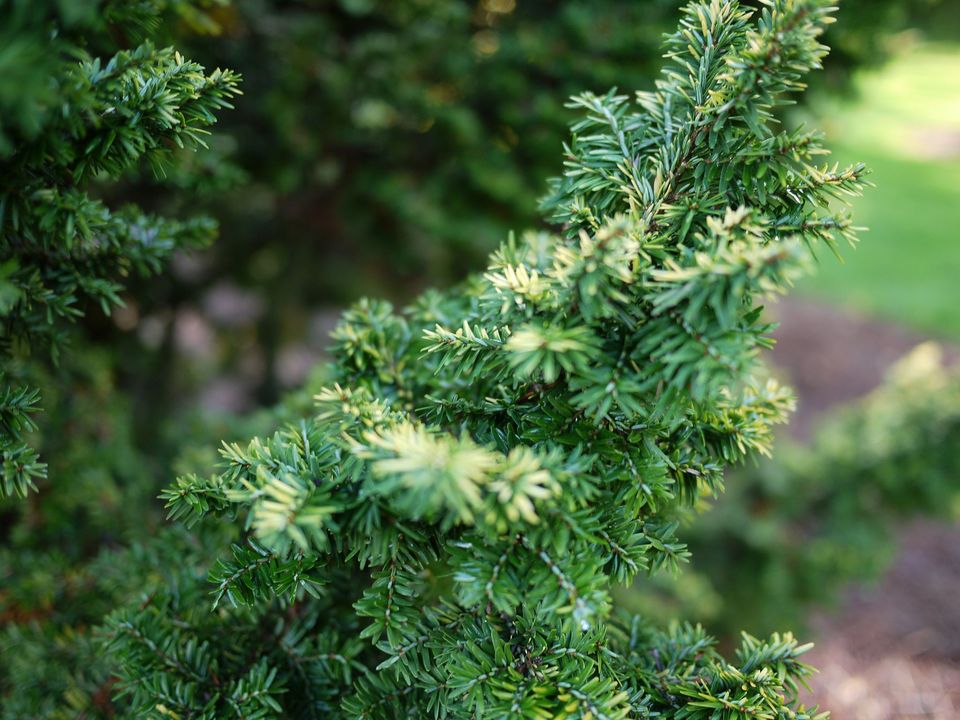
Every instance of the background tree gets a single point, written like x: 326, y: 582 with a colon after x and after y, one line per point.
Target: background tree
x: 75, y: 119
x: 85, y: 100
x: 372, y: 112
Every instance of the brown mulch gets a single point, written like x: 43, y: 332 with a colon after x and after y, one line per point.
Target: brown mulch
x: 834, y: 356
x: 891, y: 651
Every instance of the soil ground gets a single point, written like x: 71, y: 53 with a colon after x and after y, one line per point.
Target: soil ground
x: 891, y: 651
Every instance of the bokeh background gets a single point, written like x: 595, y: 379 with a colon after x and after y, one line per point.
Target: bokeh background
x: 383, y: 147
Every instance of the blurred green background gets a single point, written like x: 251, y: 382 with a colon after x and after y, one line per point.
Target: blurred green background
x: 903, y: 121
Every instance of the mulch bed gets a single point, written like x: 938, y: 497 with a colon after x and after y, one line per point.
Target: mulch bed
x: 892, y: 649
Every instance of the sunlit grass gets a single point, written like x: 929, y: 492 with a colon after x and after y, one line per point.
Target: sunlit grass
x: 905, y: 124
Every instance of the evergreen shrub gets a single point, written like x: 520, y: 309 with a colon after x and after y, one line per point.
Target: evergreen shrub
x: 441, y: 536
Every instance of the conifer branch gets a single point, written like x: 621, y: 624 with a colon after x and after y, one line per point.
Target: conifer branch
x: 487, y: 463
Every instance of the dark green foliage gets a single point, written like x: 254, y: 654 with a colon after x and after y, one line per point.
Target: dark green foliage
x: 86, y: 100
x: 52, y: 664
x: 76, y: 119
x: 20, y: 462
x: 487, y: 463
x: 62, y: 566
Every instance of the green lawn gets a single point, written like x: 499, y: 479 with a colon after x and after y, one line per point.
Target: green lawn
x: 905, y: 124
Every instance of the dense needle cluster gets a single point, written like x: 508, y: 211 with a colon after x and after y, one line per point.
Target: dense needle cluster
x: 441, y: 536
x: 70, y: 122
